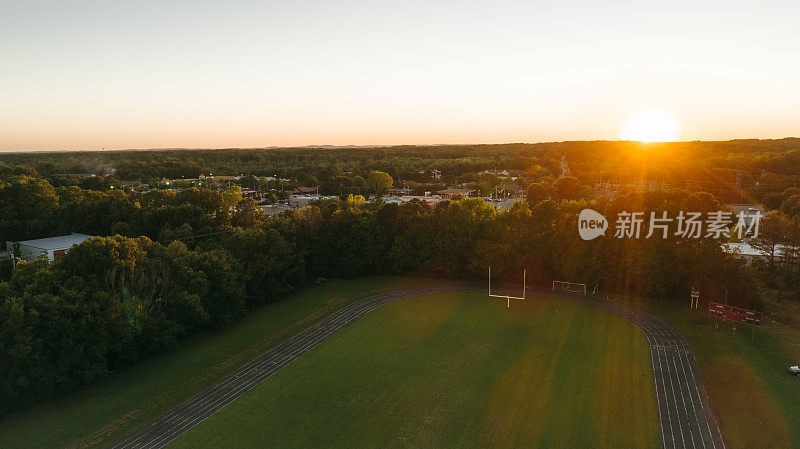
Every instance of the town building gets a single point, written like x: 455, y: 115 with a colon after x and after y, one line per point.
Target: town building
x: 51, y: 247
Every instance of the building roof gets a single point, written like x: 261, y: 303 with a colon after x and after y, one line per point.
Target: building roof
x: 745, y: 249
x: 749, y: 208
x: 59, y: 242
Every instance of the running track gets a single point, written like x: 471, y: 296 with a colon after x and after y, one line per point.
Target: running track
x: 686, y: 420
x: 683, y: 409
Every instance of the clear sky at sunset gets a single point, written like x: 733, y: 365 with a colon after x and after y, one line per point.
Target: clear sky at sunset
x: 234, y: 73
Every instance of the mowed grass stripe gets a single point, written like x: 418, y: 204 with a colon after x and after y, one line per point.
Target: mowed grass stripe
x: 622, y: 390
x: 449, y: 370
x: 521, y: 399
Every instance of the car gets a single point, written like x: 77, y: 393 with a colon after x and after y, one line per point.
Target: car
x: 795, y: 370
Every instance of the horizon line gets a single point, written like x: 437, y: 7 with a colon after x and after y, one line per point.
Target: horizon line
x: 367, y: 146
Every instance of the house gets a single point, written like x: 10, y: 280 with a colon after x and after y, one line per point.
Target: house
x: 51, y: 248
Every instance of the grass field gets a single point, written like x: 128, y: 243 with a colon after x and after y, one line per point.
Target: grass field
x: 455, y: 370
x: 439, y: 371
x: 756, y: 401
x: 100, y: 413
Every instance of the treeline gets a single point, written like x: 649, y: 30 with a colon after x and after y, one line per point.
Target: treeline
x: 779, y: 242
x: 207, y: 259
x: 112, y: 301
x: 734, y: 171
x: 31, y: 207
x: 401, y: 162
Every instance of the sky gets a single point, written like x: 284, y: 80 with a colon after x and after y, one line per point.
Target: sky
x: 235, y: 73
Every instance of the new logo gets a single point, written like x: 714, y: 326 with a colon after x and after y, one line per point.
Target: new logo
x: 591, y: 224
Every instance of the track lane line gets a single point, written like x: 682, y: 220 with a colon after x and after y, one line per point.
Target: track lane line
x: 674, y: 349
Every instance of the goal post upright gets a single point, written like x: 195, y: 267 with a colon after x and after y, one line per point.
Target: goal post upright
x: 509, y: 297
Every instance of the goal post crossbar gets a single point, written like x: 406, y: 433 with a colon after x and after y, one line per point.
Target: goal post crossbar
x: 508, y: 298
x: 572, y: 287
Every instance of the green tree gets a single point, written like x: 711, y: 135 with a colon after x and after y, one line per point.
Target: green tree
x: 538, y: 192
x: 566, y: 187
x: 772, y: 233
x: 791, y: 205
x: 379, y: 182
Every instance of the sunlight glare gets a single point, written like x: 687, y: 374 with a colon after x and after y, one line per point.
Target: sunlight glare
x: 650, y: 125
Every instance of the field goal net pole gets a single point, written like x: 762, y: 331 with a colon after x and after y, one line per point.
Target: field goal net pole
x: 508, y: 297
x: 572, y: 287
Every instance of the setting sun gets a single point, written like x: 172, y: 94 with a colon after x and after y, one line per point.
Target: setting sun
x: 650, y: 125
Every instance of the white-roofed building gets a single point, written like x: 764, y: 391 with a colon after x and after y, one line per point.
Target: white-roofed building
x: 749, y: 254
x: 51, y: 247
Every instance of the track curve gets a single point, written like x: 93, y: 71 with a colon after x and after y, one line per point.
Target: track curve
x: 683, y: 408
x: 684, y: 413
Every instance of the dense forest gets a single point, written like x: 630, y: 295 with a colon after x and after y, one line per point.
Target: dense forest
x: 169, y: 263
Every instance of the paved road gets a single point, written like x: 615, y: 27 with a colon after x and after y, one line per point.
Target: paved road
x: 684, y: 413
x: 683, y: 409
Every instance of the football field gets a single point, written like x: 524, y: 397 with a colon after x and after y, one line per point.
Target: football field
x: 455, y: 370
